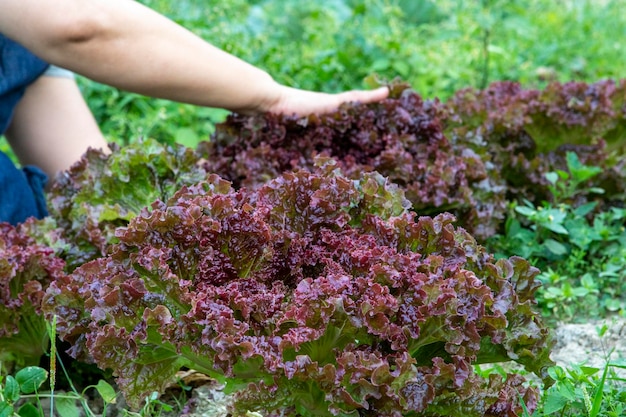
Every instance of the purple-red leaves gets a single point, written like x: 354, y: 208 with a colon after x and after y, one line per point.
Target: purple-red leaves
x: 314, y: 294
x: 308, y: 287
x: 400, y: 138
x: 468, y: 156
x: 103, y: 191
x: 521, y: 135
x: 26, y: 269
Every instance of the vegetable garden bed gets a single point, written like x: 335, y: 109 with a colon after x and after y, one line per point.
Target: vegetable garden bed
x: 371, y: 261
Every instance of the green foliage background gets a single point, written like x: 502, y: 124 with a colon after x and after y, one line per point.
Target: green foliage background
x: 332, y: 45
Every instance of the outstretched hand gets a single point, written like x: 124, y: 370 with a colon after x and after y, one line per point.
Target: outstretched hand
x: 133, y: 48
x: 292, y: 101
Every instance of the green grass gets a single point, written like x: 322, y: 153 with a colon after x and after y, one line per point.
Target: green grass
x: 439, y: 47
x: 332, y: 45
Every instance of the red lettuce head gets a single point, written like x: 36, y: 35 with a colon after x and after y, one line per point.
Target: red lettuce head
x: 314, y: 294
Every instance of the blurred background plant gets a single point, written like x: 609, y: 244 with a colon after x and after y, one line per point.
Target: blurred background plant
x: 438, y: 47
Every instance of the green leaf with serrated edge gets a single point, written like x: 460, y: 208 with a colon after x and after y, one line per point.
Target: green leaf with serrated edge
x: 11, y: 390
x: 585, y: 209
x: 66, y: 407
x: 31, y: 378
x: 556, y: 228
x: 553, y: 403
x: 6, y: 409
x: 29, y: 410
x: 106, y: 391
x: 555, y: 247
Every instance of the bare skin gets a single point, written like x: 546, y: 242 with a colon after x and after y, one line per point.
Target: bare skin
x: 126, y: 45
x: 52, y: 126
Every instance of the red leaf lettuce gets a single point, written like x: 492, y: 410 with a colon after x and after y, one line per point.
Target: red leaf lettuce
x: 315, y: 294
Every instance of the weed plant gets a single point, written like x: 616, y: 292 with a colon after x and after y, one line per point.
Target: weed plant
x: 581, y: 251
x: 31, y: 392
x: 580, y: 390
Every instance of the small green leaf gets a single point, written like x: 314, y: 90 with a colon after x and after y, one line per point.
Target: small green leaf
x: 585, y: 209
x: 613, y: 304
x: 31, y: 378
x: 552, y: 177
x: 380, y: 64
x: 11, y: 390
x: 525, y: 211
x: 580, y: 291
x: 6, y: 409
x: 29, y: 410
x: 556, y: 228
x: 598, y: 396
x: 556, y: 372
x: 563, y: 175
x: 402, y: 68
x: 573, y: 163
x: 555, y: 247
x: 106, y: 391
x: 187, y: 137
x: 553, y: 403
x: 553, y: 292
x: 589, y: 370
x: 567, y: 390
x: 66, y: 407
x: 587, y: 281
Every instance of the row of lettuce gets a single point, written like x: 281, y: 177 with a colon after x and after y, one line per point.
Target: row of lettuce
x: 353, y: 261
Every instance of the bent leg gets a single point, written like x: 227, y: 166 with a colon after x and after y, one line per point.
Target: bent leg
x: 52, y: 126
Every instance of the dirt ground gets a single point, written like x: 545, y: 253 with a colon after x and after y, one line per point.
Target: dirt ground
x: 586, y: 344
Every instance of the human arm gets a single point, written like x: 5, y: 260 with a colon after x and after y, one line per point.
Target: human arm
x: 126, y: 45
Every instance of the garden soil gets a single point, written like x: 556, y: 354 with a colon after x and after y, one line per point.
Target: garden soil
x: 592, y: 344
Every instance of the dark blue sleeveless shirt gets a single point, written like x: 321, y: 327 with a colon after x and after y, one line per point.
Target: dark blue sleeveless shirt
x: 21, y: 190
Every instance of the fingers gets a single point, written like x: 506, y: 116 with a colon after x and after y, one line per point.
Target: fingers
x: 302, y: 103
x: 364, y: 96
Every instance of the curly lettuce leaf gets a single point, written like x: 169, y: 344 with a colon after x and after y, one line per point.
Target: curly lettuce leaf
x: 302, y: 299
x: 104, y: 191
x: 26, y: 269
